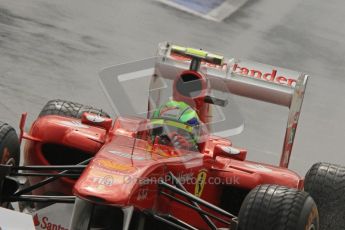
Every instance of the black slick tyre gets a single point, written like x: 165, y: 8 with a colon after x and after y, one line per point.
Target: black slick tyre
x: 69, y: 109
x: 9, y: 145
x: 273, y: 207
x: 326, y: 184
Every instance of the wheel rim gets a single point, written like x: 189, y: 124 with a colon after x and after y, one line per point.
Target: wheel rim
x: 11, y: 161
x: 7, y: 159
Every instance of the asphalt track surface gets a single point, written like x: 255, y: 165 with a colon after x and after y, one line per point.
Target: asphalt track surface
x: 55, y: 49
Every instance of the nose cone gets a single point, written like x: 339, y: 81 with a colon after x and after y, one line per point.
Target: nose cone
x: 108, y: 181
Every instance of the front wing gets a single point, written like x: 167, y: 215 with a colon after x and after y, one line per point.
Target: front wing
x: 81, y: 218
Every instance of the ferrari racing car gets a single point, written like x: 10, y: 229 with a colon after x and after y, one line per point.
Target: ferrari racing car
x: 166, y: 160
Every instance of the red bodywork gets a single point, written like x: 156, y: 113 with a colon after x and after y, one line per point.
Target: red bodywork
x: 120, y: 175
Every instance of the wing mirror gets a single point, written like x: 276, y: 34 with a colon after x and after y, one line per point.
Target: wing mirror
x: 96, y: 120
x: 229, y: 151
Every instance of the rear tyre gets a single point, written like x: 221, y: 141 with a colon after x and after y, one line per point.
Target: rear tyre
x: 66, y: 109
x: 273, y: 207
x: 69, y: 109
x: 326, y: 184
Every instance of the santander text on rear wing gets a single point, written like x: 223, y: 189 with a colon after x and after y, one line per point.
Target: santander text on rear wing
x: 245, y: 78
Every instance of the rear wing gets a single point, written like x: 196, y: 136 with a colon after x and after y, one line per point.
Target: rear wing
x: 248, y: 79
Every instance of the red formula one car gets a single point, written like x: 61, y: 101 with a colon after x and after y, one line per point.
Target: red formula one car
x: 166, y: 161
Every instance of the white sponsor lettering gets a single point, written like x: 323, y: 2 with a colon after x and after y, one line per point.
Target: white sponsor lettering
x: 107, y: 180
x: 128, y: 155
x: 76, y: 124
x: 259, y: 167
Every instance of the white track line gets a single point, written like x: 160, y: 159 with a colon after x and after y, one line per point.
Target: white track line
x: 226, y: 9
x: 186, y: 9
x: 218, y: 14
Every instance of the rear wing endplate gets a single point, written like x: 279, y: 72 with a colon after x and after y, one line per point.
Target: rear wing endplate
x: 248, y: 79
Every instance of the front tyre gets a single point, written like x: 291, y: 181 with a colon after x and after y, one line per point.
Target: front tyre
x: 9, y: 145
x: 9, y: 153
x: 326, y: 184
x: 273, y: 207
x: 69, y: 109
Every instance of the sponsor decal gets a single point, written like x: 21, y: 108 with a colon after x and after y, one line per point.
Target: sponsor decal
x: 273, y: 76
x: 200, y: 182
x: 210, y: 65
x: 36, y: 220
x: 95, y: 118
x: 293, y: 130
x: 44, y: 223
x: 259, y: 167
x: 75, y: 124
x: 185, y: 177
x: 128, y: 155
x: 115, y: 166
x: 142, y: 194
x: 289, y: 138
x: 106, y: 180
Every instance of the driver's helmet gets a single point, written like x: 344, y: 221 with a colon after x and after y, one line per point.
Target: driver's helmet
x: 176, y: 120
